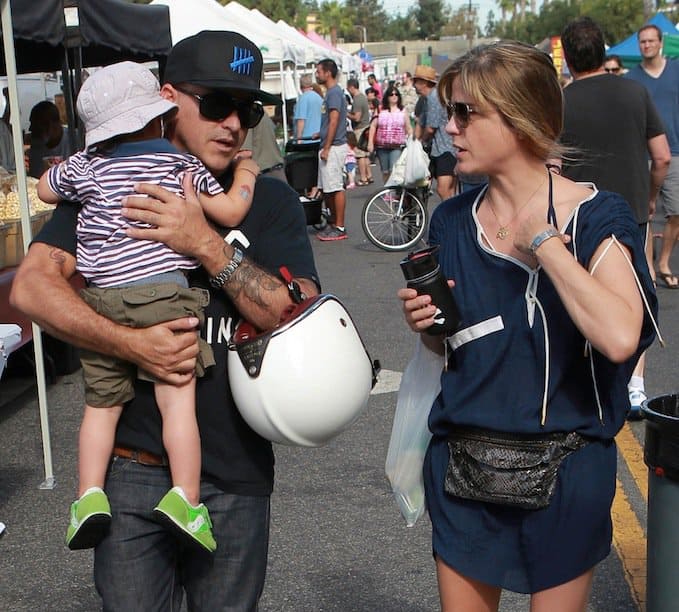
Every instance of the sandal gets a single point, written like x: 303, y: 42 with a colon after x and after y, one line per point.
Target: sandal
x: 362, y: 183
x: 667, y: 277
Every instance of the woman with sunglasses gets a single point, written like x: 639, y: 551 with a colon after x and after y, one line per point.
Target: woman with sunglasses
x: 547, y: 275
x: 389, y: 131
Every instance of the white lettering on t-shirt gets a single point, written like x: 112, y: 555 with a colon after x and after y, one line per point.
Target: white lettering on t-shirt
x: 224, y: 330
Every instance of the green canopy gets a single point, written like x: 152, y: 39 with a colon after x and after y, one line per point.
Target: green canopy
x: 670, y: 46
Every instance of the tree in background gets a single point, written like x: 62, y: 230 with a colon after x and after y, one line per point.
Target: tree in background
x: 431, y: 15
x: 617, y: 18
x: 369, y: 14
x: 463, y: 22
x: 333, y: 18
x: 402, y: 27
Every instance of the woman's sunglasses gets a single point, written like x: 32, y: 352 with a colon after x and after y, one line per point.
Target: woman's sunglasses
x: 217, y: 106
x: 461, y: 112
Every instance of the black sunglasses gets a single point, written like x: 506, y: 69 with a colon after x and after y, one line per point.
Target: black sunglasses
x: 618, y: 69
x: 461, y: 112
x: 218, y: 106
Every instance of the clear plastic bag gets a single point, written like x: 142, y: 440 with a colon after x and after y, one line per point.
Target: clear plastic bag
x: 410, y: 434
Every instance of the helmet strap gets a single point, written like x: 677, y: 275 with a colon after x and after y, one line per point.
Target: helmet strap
x: 294, y: 289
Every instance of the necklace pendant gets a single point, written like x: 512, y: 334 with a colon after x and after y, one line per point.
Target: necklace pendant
x: 502, y: 233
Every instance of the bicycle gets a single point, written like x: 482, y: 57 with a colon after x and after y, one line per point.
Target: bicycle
x: 395, y: 218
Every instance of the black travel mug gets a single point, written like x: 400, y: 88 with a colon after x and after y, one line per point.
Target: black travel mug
x: 423, y: 273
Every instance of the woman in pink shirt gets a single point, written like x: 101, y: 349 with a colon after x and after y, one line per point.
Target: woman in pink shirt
x: 389, y: 132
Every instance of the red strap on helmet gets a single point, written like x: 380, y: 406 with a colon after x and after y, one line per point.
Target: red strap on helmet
x: 293, y: 286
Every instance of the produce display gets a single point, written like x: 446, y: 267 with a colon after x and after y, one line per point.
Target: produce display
x: 11, y: 239
x: 10, y: 207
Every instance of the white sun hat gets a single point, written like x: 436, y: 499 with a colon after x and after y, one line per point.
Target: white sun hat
x: 119, y: 99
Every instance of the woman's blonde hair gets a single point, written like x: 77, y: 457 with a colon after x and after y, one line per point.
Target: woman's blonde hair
x: 520, y: 83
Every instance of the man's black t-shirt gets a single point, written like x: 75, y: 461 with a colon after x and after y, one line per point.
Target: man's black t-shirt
x: 609, y: 120
x: 235, y: 458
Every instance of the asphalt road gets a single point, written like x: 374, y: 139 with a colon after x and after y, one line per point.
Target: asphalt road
x: 338, y: 543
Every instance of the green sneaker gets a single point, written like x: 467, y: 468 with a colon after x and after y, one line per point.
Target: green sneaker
x: 90, y: 520
x: 191, y: 523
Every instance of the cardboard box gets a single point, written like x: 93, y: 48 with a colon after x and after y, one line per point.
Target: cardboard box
x: 13, y: 243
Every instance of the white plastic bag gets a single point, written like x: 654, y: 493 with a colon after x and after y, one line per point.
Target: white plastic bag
x: 410, y: 434
x: 397, y: 176
x: 417, y: 163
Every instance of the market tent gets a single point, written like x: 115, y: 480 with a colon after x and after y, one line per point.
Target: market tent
x: 112, y: 31
x: 187, y: 19
x: 628, y: 49
x: 347, y: 61
x: 107, y: 31
x: 262, y: 31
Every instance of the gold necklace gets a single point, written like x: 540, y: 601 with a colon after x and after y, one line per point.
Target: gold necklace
x: 503, y: 231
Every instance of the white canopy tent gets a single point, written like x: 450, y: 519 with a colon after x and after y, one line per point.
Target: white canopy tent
x: 263, y: 27
x: 189, y: 18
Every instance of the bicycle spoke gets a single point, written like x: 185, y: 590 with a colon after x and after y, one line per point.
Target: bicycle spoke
x: 394, y: 219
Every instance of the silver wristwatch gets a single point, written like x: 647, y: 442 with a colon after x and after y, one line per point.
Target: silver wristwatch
x: 225, y: 275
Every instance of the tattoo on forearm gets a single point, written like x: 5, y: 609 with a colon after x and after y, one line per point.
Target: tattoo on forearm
x: 57, y: 256
x: 254, y: 284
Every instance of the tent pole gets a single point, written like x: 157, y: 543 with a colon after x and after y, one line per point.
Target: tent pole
x: 10, y: 64
x: 67, y: 84
x: 284, y: 110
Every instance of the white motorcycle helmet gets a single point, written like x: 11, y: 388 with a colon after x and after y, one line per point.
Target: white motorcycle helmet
x: 306, y: 380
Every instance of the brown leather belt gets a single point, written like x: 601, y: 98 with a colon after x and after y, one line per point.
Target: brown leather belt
x: 140, y: 456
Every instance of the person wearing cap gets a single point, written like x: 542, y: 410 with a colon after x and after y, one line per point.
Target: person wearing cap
x: 433, y: 132
x: 122, y: 111
x: 214, y: 79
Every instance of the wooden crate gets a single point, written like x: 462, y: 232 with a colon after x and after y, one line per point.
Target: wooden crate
x: 12, y: 239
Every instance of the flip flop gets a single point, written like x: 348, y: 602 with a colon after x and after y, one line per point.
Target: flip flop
x: 667, y: 277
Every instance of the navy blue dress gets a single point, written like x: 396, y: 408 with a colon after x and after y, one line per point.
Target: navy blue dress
x: 519, y: 364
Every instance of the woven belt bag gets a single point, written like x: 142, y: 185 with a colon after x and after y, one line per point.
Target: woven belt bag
x: 510, y: 469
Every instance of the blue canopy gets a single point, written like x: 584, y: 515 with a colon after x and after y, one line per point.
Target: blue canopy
x: 628, y: 49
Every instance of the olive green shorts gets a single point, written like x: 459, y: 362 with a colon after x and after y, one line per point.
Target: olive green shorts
x: 110, y: 381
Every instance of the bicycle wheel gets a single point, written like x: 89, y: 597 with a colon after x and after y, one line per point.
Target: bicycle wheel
x: 394, y: 219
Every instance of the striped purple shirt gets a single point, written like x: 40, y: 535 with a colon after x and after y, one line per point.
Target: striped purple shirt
x: 105, y: 255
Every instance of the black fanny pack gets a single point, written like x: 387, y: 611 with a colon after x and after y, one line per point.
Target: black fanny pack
x: 510, y: 469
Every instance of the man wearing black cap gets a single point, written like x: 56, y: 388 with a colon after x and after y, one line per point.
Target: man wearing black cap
x: 214, y: 78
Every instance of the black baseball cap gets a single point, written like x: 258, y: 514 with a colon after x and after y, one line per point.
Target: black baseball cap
x: 219, y: 60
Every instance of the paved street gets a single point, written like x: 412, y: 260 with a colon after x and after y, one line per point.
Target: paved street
x: 338, y: 543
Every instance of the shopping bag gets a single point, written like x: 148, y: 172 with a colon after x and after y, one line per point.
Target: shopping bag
x: 417, y: 163
x: 410, y: 434
x: 397, y: 176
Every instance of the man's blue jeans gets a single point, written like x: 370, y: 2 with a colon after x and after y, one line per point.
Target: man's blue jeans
x: 140, y: 566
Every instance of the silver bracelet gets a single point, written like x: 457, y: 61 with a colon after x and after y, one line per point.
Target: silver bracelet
x: 225, y: 275
x: 542, y: 237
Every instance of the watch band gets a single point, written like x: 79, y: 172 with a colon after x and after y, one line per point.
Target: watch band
x: 542, y: 237
x: 219, y: 280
